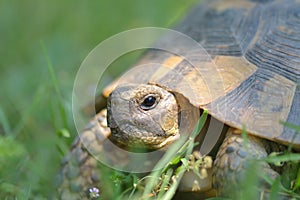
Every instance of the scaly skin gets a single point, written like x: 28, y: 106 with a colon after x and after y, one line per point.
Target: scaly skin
x: 79, y: 168
x: 233, y: 161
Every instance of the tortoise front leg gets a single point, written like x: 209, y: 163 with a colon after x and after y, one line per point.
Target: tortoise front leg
x: 232, y: 165
x: 78, y: 172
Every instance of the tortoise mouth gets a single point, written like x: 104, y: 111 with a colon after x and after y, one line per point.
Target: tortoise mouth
x: 167, y: 141
x: 132, y: 142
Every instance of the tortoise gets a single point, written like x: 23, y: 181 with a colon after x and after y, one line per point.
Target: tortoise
x: 248, y: 80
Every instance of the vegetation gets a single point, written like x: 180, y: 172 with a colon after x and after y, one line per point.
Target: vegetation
x: 163, y: 183
x: 43, y: 44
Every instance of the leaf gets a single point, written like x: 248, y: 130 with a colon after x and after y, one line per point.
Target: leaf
x: 184, y: 162
x: 64, y: 133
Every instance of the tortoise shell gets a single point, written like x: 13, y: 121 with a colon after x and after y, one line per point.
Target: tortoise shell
x: 249, y: 73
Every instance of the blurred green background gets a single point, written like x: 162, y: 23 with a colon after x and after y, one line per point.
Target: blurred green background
x: 35, y: 118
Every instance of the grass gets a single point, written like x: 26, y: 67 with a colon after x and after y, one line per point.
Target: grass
x: 36, y: 81
x: 43, y: 44
x: 173, y: 157
x: 162, y: 184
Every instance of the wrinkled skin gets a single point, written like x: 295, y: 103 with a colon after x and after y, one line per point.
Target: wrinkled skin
x: 134, y: 119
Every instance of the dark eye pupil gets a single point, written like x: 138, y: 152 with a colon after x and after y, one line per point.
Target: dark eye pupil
x: 148, y: 102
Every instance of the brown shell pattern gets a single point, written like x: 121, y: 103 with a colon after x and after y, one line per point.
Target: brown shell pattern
x: 251, y: 74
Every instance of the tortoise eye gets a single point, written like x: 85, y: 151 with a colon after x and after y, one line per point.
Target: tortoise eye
x: 149, y: 102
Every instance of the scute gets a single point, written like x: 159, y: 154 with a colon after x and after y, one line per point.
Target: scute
x: 251, y: 75
x: 222, y: 27
x: 260, y: 104
x: 276, y: 46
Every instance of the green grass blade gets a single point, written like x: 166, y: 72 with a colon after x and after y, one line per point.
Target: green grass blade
x: 245, y: 137
x: 248, y: 187
x: 180, y: 149
x: 171, y: 192
x: 165, y: 183
x: 199, y: 124
x: 291, y: 126
x: 4, y: 122
x: 25, y: 116
x: 275, y: 189
x: 160, y: 166
x: 55, y: 84
x: 294, y: 127
x: 283, y: 158
x: 297, y: 181
x: 196, y: 131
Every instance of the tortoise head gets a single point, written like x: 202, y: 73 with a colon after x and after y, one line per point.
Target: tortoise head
x: 143, y: 116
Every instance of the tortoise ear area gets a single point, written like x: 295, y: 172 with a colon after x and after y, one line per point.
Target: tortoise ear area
x: 182, y: 102
x: 187, y: 113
